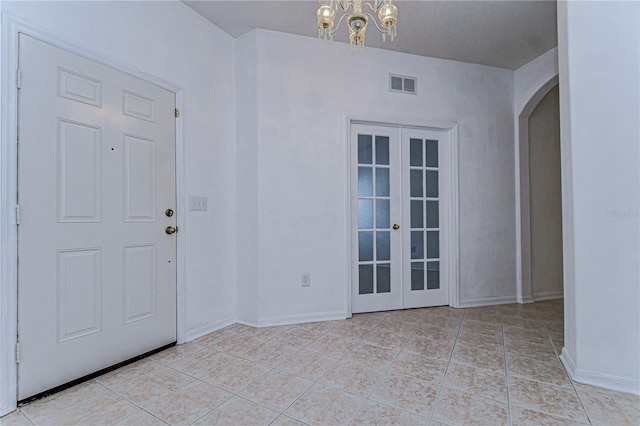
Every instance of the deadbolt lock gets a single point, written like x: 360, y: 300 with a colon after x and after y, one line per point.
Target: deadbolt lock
x: 171, y: 230
x: 168, y: 212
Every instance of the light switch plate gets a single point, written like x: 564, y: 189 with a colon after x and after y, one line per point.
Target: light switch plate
x: 197, y: 203
x: 306, y: 280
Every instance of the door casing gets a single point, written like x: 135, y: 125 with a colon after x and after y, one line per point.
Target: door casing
x: 449, y: 171
x: 11, y: 29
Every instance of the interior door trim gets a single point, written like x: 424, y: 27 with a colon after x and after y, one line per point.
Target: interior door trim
x: 451, y: 174
x: 11, y: 29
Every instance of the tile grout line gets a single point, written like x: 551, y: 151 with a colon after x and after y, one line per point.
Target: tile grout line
x: 270, y: 370
x: 274, y: 368
x: 446, y: 370
x: 537, y: 409
x: 75, y: 405
x: 506, y: 369
x: 584, y: 408
x: 377, y: 383
x: 582, y: 405
x: 317, y: 381
x: 214, y: 347
x: 115, y: 392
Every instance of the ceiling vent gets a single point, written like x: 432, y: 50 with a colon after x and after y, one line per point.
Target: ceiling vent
x: 403, y: 84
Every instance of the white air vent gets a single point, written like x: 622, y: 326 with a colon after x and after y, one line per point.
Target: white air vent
x: 400, y: 83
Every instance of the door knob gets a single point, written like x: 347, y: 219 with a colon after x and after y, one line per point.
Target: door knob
x: 170, y: 230
x: 396, y: 226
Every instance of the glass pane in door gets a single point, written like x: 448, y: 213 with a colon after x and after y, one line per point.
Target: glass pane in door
x: 365, y: 279
x: 424, y: 204
x: 415, y: 154
x: 365, y: 149
x: 432, y: 153
x: 383, y: 277
x: 433, y: 275
x: 417, y: 275
x: 383, y: 214
x: 365, y: 214
x: 382, y: 150
x: 374, y: 215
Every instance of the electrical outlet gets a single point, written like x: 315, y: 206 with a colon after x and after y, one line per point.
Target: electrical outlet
x: 306, y: 280
x: 197, y: 203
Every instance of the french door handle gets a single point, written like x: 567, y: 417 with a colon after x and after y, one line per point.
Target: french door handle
x: 396, y: 226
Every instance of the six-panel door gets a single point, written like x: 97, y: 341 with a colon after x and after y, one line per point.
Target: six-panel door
x: 97, y: 274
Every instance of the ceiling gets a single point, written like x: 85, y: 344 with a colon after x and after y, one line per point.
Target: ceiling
x: 504, y: 34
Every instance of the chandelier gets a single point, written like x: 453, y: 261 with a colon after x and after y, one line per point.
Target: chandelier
x: 357, y: 19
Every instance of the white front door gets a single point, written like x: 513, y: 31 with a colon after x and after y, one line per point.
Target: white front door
x: 399, y: 225
x: 97, y: 271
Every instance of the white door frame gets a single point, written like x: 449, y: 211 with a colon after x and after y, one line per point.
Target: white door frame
x: 451, y: 170
x: 11, y: 28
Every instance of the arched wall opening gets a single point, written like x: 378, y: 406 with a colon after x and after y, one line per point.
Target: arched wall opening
x: 525, y: 289
x: 545, y: 198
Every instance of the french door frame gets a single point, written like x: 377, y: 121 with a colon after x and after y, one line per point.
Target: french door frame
x: 11, y: 30
x: 448, y: 172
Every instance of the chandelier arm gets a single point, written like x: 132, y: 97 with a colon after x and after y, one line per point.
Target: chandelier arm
x: 345, y: 4
x: 335, y: 28
x: 374, y: 8
x: 373, y: 19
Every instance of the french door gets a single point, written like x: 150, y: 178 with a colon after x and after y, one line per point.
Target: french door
x: 399, y: 224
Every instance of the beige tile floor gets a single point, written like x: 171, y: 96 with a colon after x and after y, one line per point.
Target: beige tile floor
x: 492, y: 365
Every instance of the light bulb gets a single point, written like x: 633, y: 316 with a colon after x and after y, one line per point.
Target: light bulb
x: 325, y: 15
x: 388, y: 15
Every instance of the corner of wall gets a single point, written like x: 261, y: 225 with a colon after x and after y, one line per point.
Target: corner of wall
x: 567, y: 182
x: 606, y: 381
x: 246, y: 176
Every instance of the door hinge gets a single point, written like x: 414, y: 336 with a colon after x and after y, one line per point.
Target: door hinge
x: 177, y: 113
x: 17, y: 214
x: 19, y: 78
x: 18, y: 353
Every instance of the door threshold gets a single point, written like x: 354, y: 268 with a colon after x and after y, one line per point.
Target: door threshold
x: 92, y: 375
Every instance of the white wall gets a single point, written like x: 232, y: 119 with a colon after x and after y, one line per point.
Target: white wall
x: 530, y: 77
x: 545, y: 198
x: 168, y: 41
x: 305, y: 90
x: 599, y: 47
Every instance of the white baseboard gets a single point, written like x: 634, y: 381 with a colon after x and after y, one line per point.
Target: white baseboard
x: 204, y: 329
x: 592, y: 378
x: 488, y: 301
x: 523, y: 300
x: 246, y: 320
x: 548, y: 295
x: 291, y: 319
x: 568, y: 363
x: 607, y: 381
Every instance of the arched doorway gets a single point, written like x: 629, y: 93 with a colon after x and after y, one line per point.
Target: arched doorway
x: 524, y: 231
x: 545, y: 198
